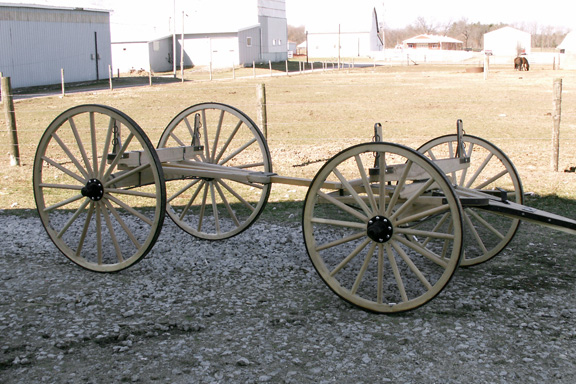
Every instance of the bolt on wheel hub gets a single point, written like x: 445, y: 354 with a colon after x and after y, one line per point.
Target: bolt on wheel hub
x: 379, y: 229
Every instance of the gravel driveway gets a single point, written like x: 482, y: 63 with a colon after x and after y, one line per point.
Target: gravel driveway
x: 252, y: 309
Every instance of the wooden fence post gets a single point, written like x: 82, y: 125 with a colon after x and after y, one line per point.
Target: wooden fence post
x: 10, y: 120
x: 556, y: 115
x: 262, y: 116
x: 62, y: 79
x: 110, y: 77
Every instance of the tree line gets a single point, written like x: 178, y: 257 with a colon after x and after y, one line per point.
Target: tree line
x: 470, y: 33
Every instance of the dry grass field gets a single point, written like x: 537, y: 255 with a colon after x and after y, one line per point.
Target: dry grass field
x: 315, y: 115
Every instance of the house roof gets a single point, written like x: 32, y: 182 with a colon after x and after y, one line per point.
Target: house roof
x: 508, y: 30
x: 569, y: 42
x: 431, y: 39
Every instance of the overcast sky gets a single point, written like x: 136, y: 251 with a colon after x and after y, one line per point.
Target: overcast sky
x: 135, y: 15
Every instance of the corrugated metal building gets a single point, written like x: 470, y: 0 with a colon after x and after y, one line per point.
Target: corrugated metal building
x: 249, y: 31
x: 37, y: 42
x: 508, y: 41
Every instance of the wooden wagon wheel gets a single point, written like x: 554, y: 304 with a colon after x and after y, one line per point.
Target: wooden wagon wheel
x: 99, y: 188
x: 217, y: 207
x: 359, y: 236
x: 486, y: 233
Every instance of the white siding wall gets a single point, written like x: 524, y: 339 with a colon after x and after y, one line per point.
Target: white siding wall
x: 36, y: 43
x: 506, y: 41
x: 129, y: 56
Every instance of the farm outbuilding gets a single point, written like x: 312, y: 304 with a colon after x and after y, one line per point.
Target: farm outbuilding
x: 245, y: 34
x: 345, y: 37
x: 433, y: 42
x: 508, y: 41
x: 567, y: 50
x: 38, y: 42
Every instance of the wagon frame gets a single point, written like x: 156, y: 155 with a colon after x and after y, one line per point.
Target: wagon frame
x: 385, y: 226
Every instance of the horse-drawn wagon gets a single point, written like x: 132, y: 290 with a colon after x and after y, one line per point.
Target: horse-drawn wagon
x: 385, y: 226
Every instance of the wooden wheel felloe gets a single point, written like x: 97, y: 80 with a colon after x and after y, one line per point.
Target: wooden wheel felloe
x: 383, y: 227
x: 486, y: 233
x: 99, y: 188
x: 227, y: 142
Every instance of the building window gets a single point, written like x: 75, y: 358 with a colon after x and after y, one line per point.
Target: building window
x: 274, y: 42
x: 248, y: 41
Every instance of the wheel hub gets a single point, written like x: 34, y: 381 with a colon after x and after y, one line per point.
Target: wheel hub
x: 379, y: 229
x: 93, y: 190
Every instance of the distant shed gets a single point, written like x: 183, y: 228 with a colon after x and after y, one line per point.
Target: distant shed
x: 433, y: 42
x: 508, y: 41
x: 36, y: 42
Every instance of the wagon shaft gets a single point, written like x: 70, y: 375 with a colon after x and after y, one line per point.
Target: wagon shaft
x: 532, y: 215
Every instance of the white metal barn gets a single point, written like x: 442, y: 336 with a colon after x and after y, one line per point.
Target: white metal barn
x: 246, y: 31
x: 344, y: 37
x: 508, y: 41
x: 37, y: 42
x: 567, y: 50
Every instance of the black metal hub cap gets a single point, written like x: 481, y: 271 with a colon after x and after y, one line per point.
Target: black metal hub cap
x: 93, y: 190
x: 379, y: 229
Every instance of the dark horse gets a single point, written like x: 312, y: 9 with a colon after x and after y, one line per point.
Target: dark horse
x: 521, y: 64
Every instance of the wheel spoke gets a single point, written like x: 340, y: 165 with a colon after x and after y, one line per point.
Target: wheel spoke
x: 366, y: 183
x: 396, y: 271
x: 363, y: 269
x: 343, y: 206
x: 118, y: 156
x: 192, y: 199
x: 340, y: 223
x: 227, y: 205
x: 125, y: 175
x: 227, y: 143
x: 72, y: 124
x: 129, y: 209
x: 479, y: 171
x: 398, y: 188
x: 98, y: 234
x: 491, y: 180
x: 412, y: 198
x: 341, y: 241
x: 352, y: 192
x: 71, y: 156
x: 131, y: 192
x: 183, y: 189
x: 217, y: 137
x: 107, y: 141
x: 475, y: 233
x: 122, y: 224
x: 486, y: 224
x: 63, y: 203
x: 429, y: 234
x: 423, y: 251
x: 422, y: 214
x: 73, y: 218
x: 237, y: 195
x: 112, y: 233
x: 236, y: 152
x: 85, y: 229
x: 380, y: 277
x: 65, y: 170
x: 94, y: 143
x: 351, y: 256
x: 412, y: 266
x: 206, y: 188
